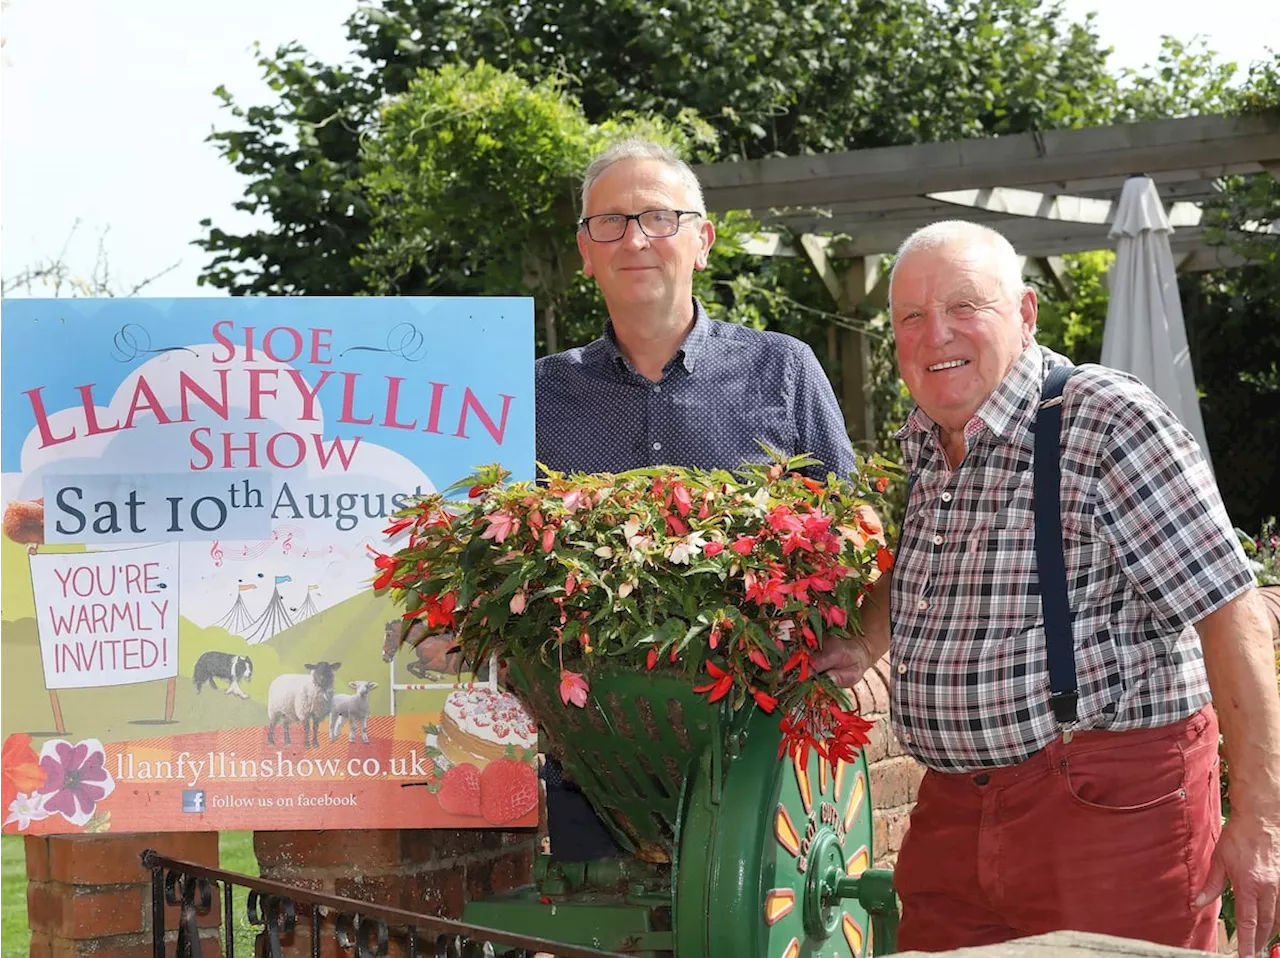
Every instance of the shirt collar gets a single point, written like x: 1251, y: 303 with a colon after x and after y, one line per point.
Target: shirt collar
x: 605, y: 352
x: 1008, y: 406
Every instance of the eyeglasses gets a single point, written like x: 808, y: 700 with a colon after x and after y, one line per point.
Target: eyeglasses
x: 655, y: 224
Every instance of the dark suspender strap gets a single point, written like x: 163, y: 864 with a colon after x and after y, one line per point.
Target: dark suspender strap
x: 1050, y: 562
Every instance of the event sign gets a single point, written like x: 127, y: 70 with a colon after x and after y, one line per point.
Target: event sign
x: 191, y: 490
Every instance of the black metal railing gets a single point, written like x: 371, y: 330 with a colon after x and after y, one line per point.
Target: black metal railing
x: 362, y: 929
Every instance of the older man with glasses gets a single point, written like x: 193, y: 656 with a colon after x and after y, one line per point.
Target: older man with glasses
x: 665, y: 384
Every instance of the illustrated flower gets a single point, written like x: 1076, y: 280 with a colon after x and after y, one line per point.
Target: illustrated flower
x: 77, y: 778
x: 20, y: 766
x: 573, y: 688
x: 25, y: 809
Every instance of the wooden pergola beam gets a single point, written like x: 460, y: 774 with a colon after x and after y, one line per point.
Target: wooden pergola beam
x: 1019, y: 160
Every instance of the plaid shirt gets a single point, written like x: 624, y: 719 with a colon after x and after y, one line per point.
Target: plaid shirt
x: 1149, y: 552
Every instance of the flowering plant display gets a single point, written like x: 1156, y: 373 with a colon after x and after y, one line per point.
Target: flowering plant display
x: 734, y: 579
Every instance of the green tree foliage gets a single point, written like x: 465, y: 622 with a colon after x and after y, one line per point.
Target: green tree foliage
x: 770, y: 77
x: 1073, y: 325
x: 472, y: 176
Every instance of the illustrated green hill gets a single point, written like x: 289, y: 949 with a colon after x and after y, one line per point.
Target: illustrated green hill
x: 349, y: 632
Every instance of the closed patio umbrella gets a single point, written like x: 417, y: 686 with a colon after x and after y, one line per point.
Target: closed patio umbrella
x: 1145, y: 334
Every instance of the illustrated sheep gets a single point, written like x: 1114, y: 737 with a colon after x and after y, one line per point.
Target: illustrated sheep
x: 294, y: 697
x: 353, y: 708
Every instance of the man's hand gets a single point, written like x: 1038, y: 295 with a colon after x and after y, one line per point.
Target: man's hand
x: 847, y: 660
x: 1240, y: 662
x: 1249, y: 853
x: 844, y: 660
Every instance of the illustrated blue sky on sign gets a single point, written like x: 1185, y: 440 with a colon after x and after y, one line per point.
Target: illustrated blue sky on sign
x: 318, y: 411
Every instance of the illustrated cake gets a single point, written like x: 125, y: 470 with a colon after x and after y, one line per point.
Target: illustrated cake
x: 480, y: 723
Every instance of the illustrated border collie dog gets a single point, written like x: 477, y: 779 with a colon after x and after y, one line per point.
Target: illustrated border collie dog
x: 227, y: 666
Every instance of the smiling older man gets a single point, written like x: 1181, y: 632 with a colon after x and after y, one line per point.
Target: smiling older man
x: 1068, y: 597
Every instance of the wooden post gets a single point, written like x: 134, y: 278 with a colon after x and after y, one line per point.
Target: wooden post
x: 861, y: 284
x: 57, y: 713
x: 170, y: 694
x: 861, y: 280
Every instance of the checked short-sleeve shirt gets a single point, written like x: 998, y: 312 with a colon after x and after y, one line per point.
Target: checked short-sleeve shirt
x: 1149, y: 552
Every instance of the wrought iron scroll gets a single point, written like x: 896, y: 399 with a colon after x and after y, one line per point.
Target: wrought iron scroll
x: 359, y: 929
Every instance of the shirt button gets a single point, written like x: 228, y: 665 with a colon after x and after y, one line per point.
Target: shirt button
x: 907, y: 737
x: 946, y: 497
x: 657, y: 447
x: 657, y: 388
x: 937, y: 540
x: 902, y: 669
x: 922, y: 604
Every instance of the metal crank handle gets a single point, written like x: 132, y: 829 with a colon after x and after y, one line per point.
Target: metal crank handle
x: 873, y: 890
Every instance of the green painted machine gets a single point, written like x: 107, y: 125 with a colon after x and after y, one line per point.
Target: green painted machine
x: 733, y: 852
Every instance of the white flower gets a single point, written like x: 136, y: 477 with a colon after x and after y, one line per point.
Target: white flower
x: 26, y: 809
x: 631, y: 528
x: 626, y: 588
x: 761, y: 499
x: 604, y: 552
x: 685, y: 549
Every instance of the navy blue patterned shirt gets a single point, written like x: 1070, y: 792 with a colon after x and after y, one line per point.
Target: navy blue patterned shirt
x: 727, y: 389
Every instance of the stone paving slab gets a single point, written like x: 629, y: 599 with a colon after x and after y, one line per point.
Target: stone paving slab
x: 1068, y: 944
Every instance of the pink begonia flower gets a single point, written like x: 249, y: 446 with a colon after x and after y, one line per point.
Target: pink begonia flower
x: 577, y: 499
x: 501, y: 525
x: 26, y: 809
x: 573, y: 688
x: 518, y: 602
x: 78, y: 778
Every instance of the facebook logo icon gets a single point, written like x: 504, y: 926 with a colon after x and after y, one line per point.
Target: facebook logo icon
x: 193, y: 800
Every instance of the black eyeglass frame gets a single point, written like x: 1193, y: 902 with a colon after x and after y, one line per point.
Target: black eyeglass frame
x: 585, y: 223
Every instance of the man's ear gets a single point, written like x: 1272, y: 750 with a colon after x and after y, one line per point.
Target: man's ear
x: 706, y: 237
x: 586, y: 256
x: 1029, y: 311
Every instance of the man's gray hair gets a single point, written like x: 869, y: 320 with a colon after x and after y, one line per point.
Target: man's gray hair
x: 948, y: 232
x: 638, y: 148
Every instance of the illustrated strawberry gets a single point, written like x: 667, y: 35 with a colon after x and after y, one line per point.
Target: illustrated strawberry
x: 508, y: 790
x: 459, y: 790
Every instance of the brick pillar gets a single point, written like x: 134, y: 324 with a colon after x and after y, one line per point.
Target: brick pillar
x: 90, y: 895
x: 895, y: 777
x: 430, y: 871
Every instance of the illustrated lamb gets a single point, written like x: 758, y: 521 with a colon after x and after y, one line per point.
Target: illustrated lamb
x: 355, y: 709
x: 294, y: 697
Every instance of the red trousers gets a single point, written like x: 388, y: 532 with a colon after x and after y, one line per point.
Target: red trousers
x: 1111, y: 833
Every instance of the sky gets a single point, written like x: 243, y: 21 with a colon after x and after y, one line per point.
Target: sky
x: 105, y: 107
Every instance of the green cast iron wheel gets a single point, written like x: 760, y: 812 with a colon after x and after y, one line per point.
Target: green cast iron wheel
x: 756, y: 845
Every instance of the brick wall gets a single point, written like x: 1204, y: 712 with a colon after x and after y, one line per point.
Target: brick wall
x: 89, y: 894
x: 895, y: 778
x: 432, y: 871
